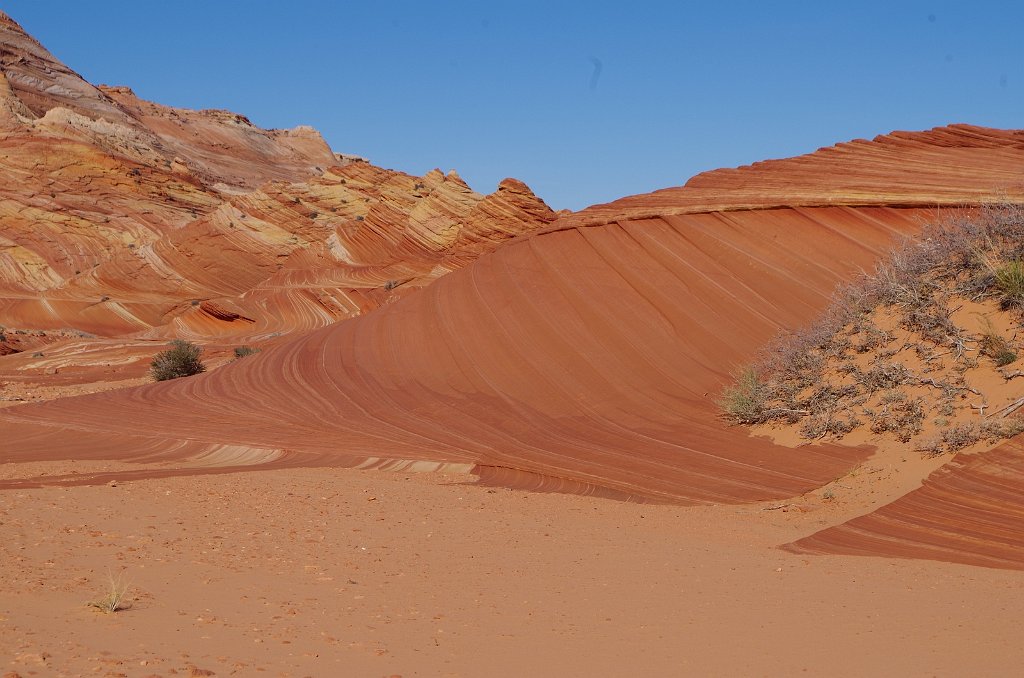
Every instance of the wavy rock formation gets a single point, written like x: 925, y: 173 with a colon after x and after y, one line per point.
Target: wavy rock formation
x: 602, y: 372
x: 944, y: 167
x: 583, y: 354
x: 590, y: 353
x: 970, y: 511
x: 121, y: 215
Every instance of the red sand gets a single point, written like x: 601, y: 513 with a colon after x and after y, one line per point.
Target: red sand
x: 331, y: 572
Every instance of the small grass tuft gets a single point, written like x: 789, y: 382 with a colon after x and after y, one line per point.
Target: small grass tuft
x: 1010, y: 281
x: 995, y: 346
x: 243, y: 351
x: 115, y: 599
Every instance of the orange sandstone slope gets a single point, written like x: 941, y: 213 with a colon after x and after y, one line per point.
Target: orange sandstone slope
x: 943, y: 167
x: 121, y: 216
x: 591, y: 353
x: 970, y: 511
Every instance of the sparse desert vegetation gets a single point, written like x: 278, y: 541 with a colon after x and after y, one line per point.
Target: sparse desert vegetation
x: 183, y: 359
x: 915, y: 350
x: 243, y: 351
x: 115, y: 598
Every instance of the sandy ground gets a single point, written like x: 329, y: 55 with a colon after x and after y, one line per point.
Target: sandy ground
x: 329, y: 572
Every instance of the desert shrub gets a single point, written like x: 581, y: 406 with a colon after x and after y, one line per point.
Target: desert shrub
x: 744, y: 402
x: 813, y: 376
x: 995, y: 346
x: 952, y: 439
x: 882, y: 376
x: 181, y: 360
x: 899, y: 415
x: 931, y: 321
x: 828, y: 423
x: 827, y: 397
x: 243, y: 351
x: 1009, y: 279
x: 871, y: 338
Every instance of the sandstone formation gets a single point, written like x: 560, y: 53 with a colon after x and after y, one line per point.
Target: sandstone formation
x: 580, y: 354
x: 120, y: 216
x: 970, y: 511
x: 592, y: 352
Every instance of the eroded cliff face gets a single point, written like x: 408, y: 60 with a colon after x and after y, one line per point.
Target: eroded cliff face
x: 120, y: 215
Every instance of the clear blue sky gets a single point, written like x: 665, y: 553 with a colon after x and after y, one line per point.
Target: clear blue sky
x: 585, y: 101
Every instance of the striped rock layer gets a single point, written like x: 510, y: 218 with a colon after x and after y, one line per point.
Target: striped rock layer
x: 582, y: 355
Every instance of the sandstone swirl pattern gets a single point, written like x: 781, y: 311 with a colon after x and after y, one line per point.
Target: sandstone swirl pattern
x: 580, y: 354
x: 121, y: 216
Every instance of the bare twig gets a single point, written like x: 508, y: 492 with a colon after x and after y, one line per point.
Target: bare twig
x: 946, y: 386
x: 1009, y: 409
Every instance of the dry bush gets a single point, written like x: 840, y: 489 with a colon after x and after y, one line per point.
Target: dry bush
x: 812, y: 377
x: 181, y: 360
x: 829, y: 422
x: 960, y: 436
x: 995, y: 345
x: 882, y: 376
x: 243, y: 351
x: 899, y: 415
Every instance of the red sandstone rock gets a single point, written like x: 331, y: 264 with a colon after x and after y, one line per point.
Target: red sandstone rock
x: 580, y: 354
x: 145, y: 208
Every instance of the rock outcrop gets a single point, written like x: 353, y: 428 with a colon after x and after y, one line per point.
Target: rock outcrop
x: 591, y: 351
x: 119, y: 213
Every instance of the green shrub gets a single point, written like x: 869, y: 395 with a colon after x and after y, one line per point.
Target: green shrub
x: 242, y: 351
x: 181, y: 360
x: 744, y: 402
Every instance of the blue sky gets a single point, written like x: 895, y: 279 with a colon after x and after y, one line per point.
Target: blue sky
x: 586, y: 102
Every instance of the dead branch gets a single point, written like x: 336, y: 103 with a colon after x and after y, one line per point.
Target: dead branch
x: 1009, y: 409
x: 944, y: 386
